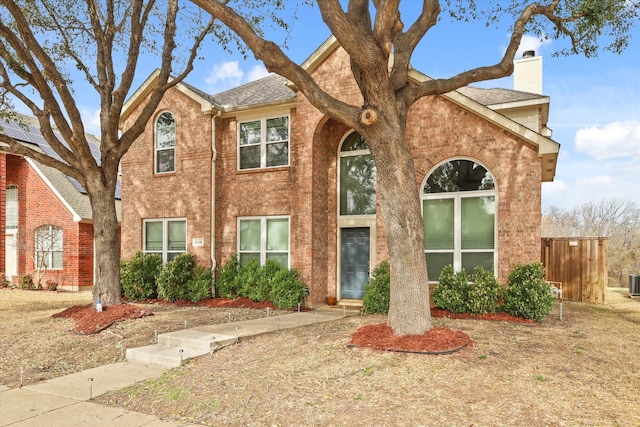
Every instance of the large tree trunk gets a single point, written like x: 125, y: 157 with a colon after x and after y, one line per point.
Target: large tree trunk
x: 107, y: 248
x: 409, y: 311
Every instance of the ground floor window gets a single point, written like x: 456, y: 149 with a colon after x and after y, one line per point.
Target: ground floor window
x: 48, y: 244
x: 459, y: 215
x: 165, y: 237
x: 263, y: 238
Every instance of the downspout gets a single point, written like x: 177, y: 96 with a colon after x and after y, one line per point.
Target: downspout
x: 214, y: 155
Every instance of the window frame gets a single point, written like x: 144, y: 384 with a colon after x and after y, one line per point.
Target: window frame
x: 156, y: 150
x: 263, y: 144
x: 49, y: 261
x: 164, y: 252
x: 353, y: 153
x: 264, y: 251
x: 457, y: 197
x: 11, y: 203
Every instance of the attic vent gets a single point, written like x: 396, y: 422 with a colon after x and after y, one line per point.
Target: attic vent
x: 529, y: 54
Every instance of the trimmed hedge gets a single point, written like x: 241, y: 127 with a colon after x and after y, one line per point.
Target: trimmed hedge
x: 377, y: 291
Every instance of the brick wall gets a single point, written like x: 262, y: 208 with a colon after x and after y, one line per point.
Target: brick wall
x: 38, y: 206
x: 3, y: 211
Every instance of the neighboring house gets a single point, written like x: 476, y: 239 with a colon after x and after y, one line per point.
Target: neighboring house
x: 258, y: 171
x: 46, y: 216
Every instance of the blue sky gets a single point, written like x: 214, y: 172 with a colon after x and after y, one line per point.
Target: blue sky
x: 594, y: 111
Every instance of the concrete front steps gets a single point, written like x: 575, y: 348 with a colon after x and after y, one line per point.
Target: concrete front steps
x: 175, y: 348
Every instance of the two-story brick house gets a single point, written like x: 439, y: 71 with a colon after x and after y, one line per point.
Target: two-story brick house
x: 46, y: 217
x: 258, y: 171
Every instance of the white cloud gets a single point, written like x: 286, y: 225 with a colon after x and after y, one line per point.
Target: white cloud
x: 224, y: 76
x: 91, y: 121
x: 614, y: 140
x: 257, y: 72
x: 531, y: 43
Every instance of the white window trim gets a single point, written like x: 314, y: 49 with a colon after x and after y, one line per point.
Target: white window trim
x: 263, y: 141
x: 49, y: 254
x: 155, y: 144
x: 263, y: 236
x: 457, y: 206
x: 165, y: 228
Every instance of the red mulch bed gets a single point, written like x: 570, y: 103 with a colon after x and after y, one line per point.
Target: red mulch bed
x: 434, y: 341
x: 88, y: 321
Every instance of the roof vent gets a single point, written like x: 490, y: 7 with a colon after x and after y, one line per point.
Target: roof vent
x: 529, y: 54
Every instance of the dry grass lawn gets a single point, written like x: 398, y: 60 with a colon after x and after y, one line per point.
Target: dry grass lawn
x: 582, y: 370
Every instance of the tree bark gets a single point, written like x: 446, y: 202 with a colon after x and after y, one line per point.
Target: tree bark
x: 107, y: 248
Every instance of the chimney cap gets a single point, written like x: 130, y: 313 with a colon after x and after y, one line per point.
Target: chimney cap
x: 529, y: 54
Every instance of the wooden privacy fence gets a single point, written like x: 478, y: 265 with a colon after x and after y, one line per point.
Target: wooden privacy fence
x: 580, y: 264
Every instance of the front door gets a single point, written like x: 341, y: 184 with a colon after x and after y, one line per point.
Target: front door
x: 11, y: 256
x: 354, y: 269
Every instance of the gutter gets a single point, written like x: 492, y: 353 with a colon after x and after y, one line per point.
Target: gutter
x: 214, y: 156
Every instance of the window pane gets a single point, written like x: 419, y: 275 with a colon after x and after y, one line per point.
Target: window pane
x: 438, y: 217
x: 357, y: 185
x: 12, y: 207
x: 244, y: 258
x: 283, y: 259
x: 472, y: 259
x: 165, y: 131
x: 177, y: 231
x: 478, y: 222
x: 277, y: 153
x: 153, y: 236
x: 354, y: 142
x: 278, y: 234
x: 250, y: 157
x: 436, y: 262
x: 250, y: 133
x: 165, y: 160
x: 250, y: 235
x: 459, y: 175
x: 56, y: 259
x: 278, y: 129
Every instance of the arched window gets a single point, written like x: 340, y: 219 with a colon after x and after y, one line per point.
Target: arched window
x: 357, y: 177
x: 49, y: 246
x: 165, y: 146
x: 459, y: 215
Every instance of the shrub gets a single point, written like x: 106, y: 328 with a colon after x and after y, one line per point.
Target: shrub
x: 51, y: 285
x: 286, y: 291
x: 484, y: 292
x: 199, y: 287
x: 26, y: 282
x: 248, y: 278
x: 452, y: 290
x: 138, y: 276
x: 377, y: 290
x: 226, y: 280
x: 262, y: 289
x: 173, y: 279
x: 528, y: 294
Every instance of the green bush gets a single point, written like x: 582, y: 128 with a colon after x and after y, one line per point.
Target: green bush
x: 452, y: 291
x: 484, y: 292
x: 138, y: 276
x: 262, y: 289
x: 377, y: 290
x: 286, y: 291
x: 173, y: 279
x: 248, y: 278
x: 226, y: 280
x: 199, y: 286
x: 528, y: 294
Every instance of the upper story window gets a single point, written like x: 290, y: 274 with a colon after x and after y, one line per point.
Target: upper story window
x: 49, y: 246
x: 165, y: 146
x: 263, y: 143
x: 357, y: 177
x: 459, y: 214
x: 12, y: 207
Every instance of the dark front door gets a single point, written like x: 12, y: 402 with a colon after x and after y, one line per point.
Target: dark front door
x: 354, y: 269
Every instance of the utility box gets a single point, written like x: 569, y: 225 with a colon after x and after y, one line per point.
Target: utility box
x: 634, y: 285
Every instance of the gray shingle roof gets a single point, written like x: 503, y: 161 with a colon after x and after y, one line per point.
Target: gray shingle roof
x: 263, y: 91
x: 496, y: 96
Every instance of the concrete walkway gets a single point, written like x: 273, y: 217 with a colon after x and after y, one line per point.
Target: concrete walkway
x: 67, y: 401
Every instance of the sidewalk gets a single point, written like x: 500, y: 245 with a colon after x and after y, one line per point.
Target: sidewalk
x: 66, y: 401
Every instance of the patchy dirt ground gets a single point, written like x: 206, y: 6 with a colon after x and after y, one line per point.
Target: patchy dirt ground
x: 581, y: 370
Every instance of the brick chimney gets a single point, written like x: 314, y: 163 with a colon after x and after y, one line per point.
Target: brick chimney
x: 527, y: 73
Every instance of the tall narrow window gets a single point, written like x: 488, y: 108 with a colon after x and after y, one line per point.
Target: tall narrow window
x: 357, y: 177
x: 49, y: 246
x: 263, y: 143
x: 165, y: 147
x: 459, y: 214
x: 12, y: 208
x: 165, y: 237
x: 264, y: 238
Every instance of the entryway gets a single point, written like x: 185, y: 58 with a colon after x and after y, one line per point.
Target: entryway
x: 355, y: 247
